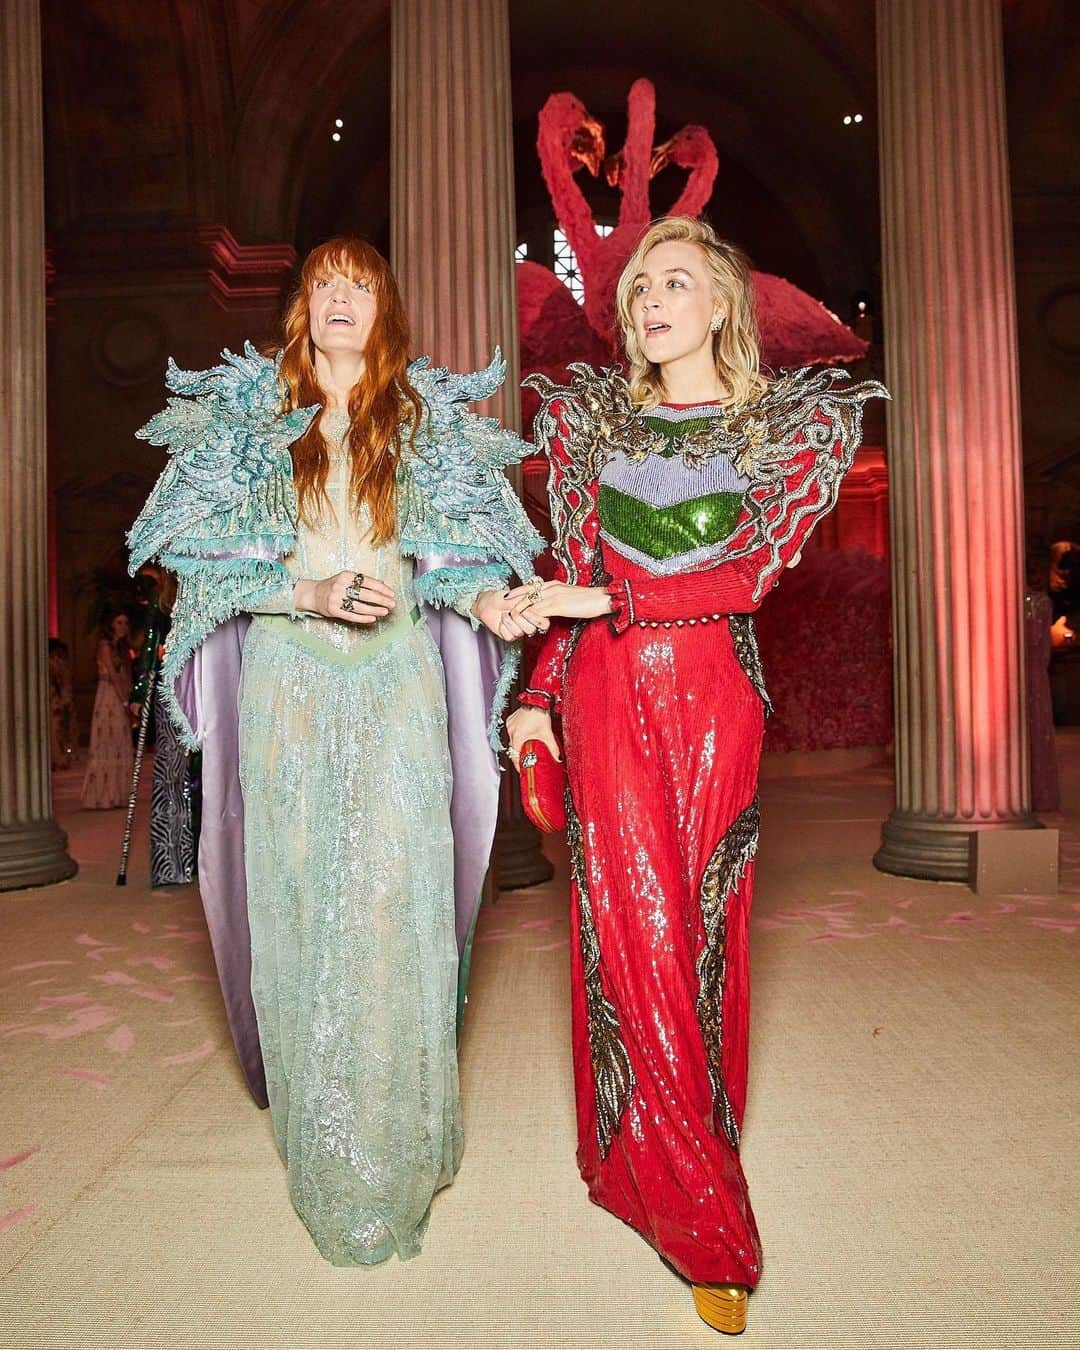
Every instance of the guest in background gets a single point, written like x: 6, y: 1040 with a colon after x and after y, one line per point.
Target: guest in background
x: 63, y: 719
x: 108, y: 770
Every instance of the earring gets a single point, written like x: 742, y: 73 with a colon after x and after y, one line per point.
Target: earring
x: 716, y: 325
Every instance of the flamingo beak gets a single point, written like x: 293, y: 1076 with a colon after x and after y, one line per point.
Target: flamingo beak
x: 614, y: 168
x: 587, y: 147
x: 661, y: 157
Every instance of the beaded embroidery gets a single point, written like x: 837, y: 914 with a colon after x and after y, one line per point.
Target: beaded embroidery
x: 726, y: 868
x: 612, y: 1073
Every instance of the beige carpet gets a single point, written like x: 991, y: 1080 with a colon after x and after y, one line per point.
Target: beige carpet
x: 911, y: 1137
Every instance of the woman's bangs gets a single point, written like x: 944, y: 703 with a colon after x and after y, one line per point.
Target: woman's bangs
x: 338, y: 257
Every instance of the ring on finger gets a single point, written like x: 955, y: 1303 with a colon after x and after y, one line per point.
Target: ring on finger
x: 353, y: 592
x: 358, y: 579
x: 347, y: 603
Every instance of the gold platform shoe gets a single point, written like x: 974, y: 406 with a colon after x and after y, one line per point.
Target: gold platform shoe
x: 722, y: 1306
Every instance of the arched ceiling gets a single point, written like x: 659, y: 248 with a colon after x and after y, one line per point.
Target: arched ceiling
x: 175, y: 111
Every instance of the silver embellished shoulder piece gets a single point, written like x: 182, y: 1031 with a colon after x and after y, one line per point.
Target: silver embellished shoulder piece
x: 596, y: 412
x: 809, y: 410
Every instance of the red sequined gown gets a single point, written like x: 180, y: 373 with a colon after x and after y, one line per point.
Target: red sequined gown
x: 662, y: 710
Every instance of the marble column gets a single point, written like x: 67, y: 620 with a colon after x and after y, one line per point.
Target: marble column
x: 955, y: 463
x: 32, y: 847
x: 453, y: 236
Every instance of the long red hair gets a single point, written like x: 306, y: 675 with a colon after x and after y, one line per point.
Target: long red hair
x: 382, y: 404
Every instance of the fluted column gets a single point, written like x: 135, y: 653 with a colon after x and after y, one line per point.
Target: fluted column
x: 954, y: 441
x: 452, y: 184
x: 453, y: 236
x: 32, y: 847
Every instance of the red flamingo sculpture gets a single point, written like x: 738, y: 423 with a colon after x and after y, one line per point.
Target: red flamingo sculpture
x: 796, y: 328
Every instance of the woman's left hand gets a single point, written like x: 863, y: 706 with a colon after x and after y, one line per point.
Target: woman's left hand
x: 558, y: 600
x: 495, y: 609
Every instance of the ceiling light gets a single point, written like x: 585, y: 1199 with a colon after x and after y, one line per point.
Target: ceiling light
x: 857, y: 117
x: 336, y: 136
x: 847, y: 120
x: 338, y: 122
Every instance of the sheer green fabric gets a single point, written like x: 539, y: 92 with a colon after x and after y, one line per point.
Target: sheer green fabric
x: 349, y: 855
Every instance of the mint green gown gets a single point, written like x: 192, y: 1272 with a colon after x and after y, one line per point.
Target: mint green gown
x: 349, y: 854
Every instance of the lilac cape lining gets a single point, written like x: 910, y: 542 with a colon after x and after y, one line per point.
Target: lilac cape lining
x: 208, y: 691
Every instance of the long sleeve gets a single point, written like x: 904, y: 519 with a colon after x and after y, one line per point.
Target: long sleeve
x: 575, y: 522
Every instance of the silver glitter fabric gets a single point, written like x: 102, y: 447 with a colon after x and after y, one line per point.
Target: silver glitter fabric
x: 349, y: 856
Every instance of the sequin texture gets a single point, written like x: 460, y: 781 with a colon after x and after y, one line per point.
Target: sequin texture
x: 349, y: 857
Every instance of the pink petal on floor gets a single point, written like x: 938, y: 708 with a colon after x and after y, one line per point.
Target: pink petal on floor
x: 62, y: 1000
x: 552, y: 946
x: 895, y: 921
x: 530, y: 924
x: 961, y: 916
x: 841, y: 933
x: 158, y: 962
x: 190, y: 1056
x: 98, y: 1080
x: 1006, y: 909
x: 859, y: 893
x: 121, y: 1040
x: 189, y: 935
x: 37, y: 965
x: 153, y: 993
x: 85, y: 940
x: 17, y: 1216
x: 904, y: 904
x: 99, y: 953
x: 935, y: 937
x: 768, y: 925
x: 79, y: 1021
x: 493, y: 937
x: 187, y: 979
x: 1056, y: 925
x: 115, y: 977
x: 49, y: 979
x: 16, y: 1158
x: 140, y: 927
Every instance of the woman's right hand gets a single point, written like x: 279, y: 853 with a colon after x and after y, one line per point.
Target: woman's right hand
x: 530, y: 724
x: 349, y: 597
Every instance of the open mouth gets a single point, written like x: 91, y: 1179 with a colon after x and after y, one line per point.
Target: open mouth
x: 655, y: 329
x: 341, y: 318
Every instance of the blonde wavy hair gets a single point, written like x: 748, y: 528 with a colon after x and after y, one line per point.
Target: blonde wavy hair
x: 736, y: 347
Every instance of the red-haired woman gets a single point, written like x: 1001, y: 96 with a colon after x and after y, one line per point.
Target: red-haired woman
x: 678, y: 496
x: 350, y: 503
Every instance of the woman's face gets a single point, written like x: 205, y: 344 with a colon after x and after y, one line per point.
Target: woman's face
x: 119, y: 628
x: 673, y: 303
x: 341, y: 313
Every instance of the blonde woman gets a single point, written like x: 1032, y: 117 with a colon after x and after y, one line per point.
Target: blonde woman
x: 679, y: 495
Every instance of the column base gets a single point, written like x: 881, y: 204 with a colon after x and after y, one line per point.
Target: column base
x: 34, y: 855
x: 937, y: 850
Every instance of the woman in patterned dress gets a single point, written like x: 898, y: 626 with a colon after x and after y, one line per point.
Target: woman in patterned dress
x: 678, y: 497
x: 107, y: 782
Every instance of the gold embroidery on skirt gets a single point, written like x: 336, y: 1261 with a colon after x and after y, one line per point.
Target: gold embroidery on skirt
x: 612, y: 1074
x: 744, y: 639
x: 726, y: 868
